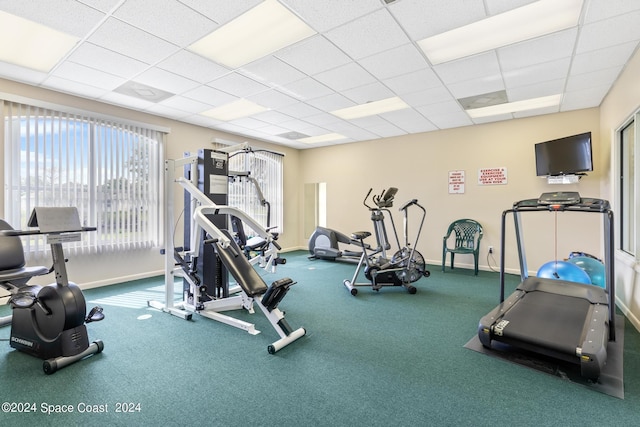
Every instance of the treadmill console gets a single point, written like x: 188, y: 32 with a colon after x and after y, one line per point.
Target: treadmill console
x: 559, y: 198
x: 569, y: 201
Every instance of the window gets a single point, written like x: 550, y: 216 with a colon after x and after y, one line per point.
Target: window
x: 265, y: 170
x: 110, y: 171
x: 627, y: 188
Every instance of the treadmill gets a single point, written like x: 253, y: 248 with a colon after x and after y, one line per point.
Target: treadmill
x: 561, y: 319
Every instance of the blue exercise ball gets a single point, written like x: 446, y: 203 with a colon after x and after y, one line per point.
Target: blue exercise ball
x: 563, y: 270
x: 593, y: 267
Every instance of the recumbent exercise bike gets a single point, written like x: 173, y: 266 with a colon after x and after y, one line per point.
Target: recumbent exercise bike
x: 47, y: 322
x: 406, y: 266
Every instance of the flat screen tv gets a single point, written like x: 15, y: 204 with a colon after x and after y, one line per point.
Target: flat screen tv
x: 570, y: 155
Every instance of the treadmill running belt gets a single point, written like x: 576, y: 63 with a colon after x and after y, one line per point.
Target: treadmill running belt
x: 548, y: 320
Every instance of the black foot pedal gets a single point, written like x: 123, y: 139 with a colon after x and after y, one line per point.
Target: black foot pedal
x: 95, y: 315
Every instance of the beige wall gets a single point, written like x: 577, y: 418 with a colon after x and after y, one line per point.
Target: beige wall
x: 419, y: 165
x: 622, y: 101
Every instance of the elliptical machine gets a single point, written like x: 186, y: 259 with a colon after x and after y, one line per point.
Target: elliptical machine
x: 406, y: 266
x: 48, y: 322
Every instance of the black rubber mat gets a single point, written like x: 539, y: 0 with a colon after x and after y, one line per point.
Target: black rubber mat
x: 611, y: 381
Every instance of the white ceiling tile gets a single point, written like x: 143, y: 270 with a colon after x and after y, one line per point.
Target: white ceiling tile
x: 546, y: 88
x: 585, y: 98
x: 357, y: 134
x: 477, y: 66
x: 495, y: 7
x: 598, y: 10
x: 302, y: 127
x: 542, y: 49
x: 345, y: 77
x: 221, y: 11
x: 88, y: 76
x: 171, y: 21
x: 367, y: 93
x: 322, y: 119
x: 409, y: 120
x: 413, y: 82
x: 101, y: 5
x: 450, y: 120
x: 200, y: 120
x: 125, y: 101
x: 313, y: 55
x: 166, y: 80
x: 273, y: 117
x: 609, y: 32
x: 394, y: 62
x: 249, y: 123
x: 106, y: 60
x: 307, y: 88
x: 73, y: 87
x: 185, y: 104
x: 238, y: 85
x: 130, y: 41
x: 166, y: 111
x: 273, y: 99
x: 440, y: 108
x: 209, y: 95
x: 428, y: 96
x: 194, y: 67
x: 70, y: 17
x: 274, y: 130
x: 272, y: 72
x: 602, y: 58
x: 537, y: 73
x: 327, y: 14
x: 487, y: 84
x: 603, y: 77
x: 376, y: 32
x: 386, y: 130
x: 421, y: 21
x: 299, y: 110
x: 331, y: 102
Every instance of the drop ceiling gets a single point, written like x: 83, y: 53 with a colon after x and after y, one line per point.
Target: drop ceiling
x: 135, y: 54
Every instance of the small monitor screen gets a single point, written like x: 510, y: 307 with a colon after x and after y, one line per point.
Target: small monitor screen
x: 564, y: 156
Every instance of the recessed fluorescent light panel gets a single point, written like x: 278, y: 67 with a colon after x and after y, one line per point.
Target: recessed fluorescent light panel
x: 514, y: 107
x: 258, y: 32
x: 234, y: 110
x: 32, y: 45
x: 322, y: 138
x: 533, y: 20
x: 371, y: 108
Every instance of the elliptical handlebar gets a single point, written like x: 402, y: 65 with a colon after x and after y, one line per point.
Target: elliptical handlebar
x: 409, y: 203
x: 383, y: 201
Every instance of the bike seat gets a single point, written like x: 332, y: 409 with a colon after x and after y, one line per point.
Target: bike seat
x: 360, y: 235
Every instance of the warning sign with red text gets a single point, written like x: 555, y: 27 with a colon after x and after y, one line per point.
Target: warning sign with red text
x: 456, y: 182
x: 492, y: 176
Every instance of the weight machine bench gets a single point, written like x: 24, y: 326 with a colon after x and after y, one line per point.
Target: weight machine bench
x: 253, y: 286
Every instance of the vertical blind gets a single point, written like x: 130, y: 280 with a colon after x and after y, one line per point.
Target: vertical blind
x: 110, y: 171
x: 266, y: 168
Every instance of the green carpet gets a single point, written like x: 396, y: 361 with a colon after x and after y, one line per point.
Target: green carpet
x: 383, y: 358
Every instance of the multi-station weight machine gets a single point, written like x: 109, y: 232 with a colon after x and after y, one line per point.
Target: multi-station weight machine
x: 212, y: 253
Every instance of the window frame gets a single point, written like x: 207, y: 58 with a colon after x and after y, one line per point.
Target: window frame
x: 118, y: 136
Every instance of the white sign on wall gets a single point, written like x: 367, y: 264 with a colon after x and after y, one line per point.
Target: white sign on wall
x: 456, y: 182
x: 492, y: 176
